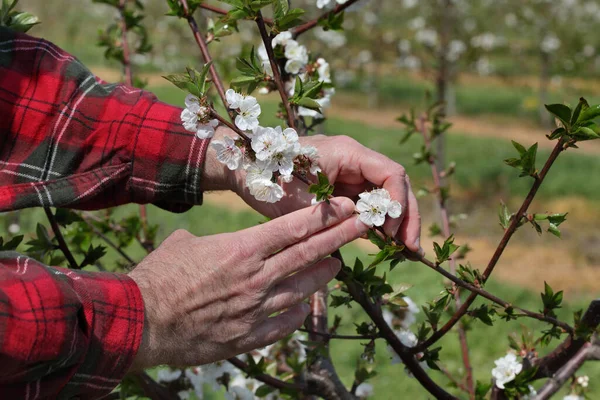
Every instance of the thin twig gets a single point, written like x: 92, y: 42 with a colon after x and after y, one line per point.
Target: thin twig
x: 276, y: 73
x: 266, y: 378
x: 560, y: 146
x: 344, y: 337
x: 448, y: 375
x: 314, y: 22
x: 62, y: 244
x: 443, y: 208
x: 216, y: 79
x: 107, y: 240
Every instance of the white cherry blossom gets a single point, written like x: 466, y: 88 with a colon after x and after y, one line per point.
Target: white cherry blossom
x: 364, y: 390
x: 239, y: 393
x: 266, y: 142
x: 583, y: 381
x: 507, y: 368
x: 281, y: 39
x: 227, y: 152
x: 249, y: 111
x: 294, y: 66
x: 264, y: 58
x: 573, y: 397
x: 324, y: 70
x: 168, y: 375
x: 266, y: 190
x: 375, y: 205
x: 193, y: 114
x: 311, y: 153
x: 208, y: 130
x: 233, y: 98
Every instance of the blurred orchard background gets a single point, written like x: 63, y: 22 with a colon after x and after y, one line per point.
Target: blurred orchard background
x: 505, y: 59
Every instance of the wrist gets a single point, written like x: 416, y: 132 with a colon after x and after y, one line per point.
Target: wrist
x: 216, y: 175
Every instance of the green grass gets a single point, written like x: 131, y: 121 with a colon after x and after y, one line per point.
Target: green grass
x: 472, y: 100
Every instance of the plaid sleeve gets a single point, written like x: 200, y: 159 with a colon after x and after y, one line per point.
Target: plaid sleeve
x: 65, y: 333
x: 67, y: 139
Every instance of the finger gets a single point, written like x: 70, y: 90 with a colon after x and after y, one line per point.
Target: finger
x: 307, y: 252
x: 276, y: 328
x: 298, y: 287
x: 410, y: 231
x: 297, y: 226
x: 389, y: 175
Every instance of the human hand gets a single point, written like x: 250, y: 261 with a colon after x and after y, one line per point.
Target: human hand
x: 210, y: 298
x: 353, y: 168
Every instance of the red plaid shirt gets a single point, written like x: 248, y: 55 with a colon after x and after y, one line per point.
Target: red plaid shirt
x: 68, y: 139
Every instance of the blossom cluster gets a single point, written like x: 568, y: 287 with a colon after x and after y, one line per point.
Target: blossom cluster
x: 401, y: 319
x: 238, y: 386
x: 297, y: 65
x: 272, y: 155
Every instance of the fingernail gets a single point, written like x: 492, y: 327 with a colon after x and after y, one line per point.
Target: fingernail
x: 346, y: 206
x: 361, y: 227
x: 305, y: 308
x: 395, y: 231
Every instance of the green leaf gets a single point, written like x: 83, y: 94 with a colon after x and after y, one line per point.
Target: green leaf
x: 444, y: 252
x: 376, y: 239
x: 66, y: 217
x: 280, y: 8
x: 264, y: 390
x: 22, y: 21
x: 520, y: 148
x: 504, y: 215
x: 586, y: 132
x: 291, y: 19
x: 323, y: 189
x: 309, y: 103
x: 581, y: 106
x: 562, y: 112
x: 92, y: 255
x: 481, y: 390
x: 589, y: 114
x: 12, y: 244
x: 483, y: 313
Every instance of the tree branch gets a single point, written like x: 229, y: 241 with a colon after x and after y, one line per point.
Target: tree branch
x: 569, y: 369
x: 552, y: 362
x: 276, y: 73
x: 374, y: 312
x: 314, y: 22
x: 205, y: 53
x: 61, y: 240
x: 329, y: 336
x: 266, y: 378
x: 560, y: 146
x: 221, y: 11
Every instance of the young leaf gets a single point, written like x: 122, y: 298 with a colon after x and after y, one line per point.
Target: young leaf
x: 562, y: 112
x: 12, y: 244
x: 581, y: 106
x: 444, y: 252
x: 504, y: 216
x: 323, y: 189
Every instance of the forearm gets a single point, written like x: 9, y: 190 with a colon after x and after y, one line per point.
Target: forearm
x: 65, y: 333
x: 70, y: 140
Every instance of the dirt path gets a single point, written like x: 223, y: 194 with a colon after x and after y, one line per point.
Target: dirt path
x: 507, y: 129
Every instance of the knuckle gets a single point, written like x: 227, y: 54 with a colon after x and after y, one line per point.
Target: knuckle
x: 307, y: 254
x: 296, y: 230
x: 401, y: 171
x: 180, y: 234
x: 346, y: 140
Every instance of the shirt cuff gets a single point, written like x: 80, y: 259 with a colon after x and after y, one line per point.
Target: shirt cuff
x: 114, y: 312
x: 167, y: 161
